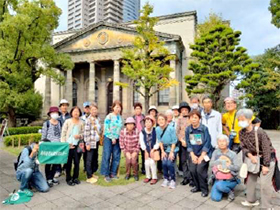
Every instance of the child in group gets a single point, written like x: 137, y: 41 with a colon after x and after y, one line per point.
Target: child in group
x: 149, y: 144
x: 129, y: 144
x: 91, y: 137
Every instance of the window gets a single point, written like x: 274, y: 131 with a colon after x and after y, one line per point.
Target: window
x: 96, y: 92
x: 163, y: 97
x: 75, y: 93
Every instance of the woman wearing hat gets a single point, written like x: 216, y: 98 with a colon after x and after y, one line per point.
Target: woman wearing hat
x: 182, y: 124
x: 51, y: 132
x: 129, y: 144
x: 149, y: 144
x: 153, y: 111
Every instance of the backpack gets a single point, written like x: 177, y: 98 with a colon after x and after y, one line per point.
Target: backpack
x: 48, y: 124
x: 16, y: 163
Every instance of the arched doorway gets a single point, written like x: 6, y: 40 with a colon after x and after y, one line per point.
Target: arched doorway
x: 75, y: 93
x: 109, y: 96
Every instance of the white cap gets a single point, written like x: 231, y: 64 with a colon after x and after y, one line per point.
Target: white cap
x: 175, y: 107
x: 63, y: 101
x: 152, y: 107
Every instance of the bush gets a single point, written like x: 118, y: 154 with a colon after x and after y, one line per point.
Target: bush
x: 24, y: 139
x: 24, y: 130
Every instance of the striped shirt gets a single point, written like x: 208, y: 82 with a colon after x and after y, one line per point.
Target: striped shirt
x: 92, y: 132
x: 129, y: 141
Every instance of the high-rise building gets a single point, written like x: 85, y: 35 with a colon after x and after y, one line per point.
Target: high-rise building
x: 82, y: 13
x: 131, y: 10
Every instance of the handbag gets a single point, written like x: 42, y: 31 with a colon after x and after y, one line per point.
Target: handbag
x: 243, y: 172
x: 81, y: 146
x: 276, y: 177
x: 252, y: 167
x: 219, y: 175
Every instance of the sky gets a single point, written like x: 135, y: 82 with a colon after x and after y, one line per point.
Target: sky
x: 251, y: 17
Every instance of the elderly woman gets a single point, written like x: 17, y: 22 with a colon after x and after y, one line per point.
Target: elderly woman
x: 199, y: 146
x: 225, y: 166
x: 248, y: 142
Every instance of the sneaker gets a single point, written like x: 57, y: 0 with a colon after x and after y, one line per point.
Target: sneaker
x: 247, y: 203
x: 154, y: 181
x: 70, y: 183
x: 57, y: 174
x: 95, y: 176
x: 50, y: 183
x: 146, y: 180
x: 231, y: 196
x: 55, y: 181
x: 165, y: 183
x: 127, y: 177
x: 172, y: 184
x: 76, y: 181
x: 91, y: 180
x: 136, y: 177
x: 26, y: 192
x: 114, y: 177
x: 107, y: 179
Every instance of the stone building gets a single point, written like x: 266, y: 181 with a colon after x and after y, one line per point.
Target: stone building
x: 96, y: 52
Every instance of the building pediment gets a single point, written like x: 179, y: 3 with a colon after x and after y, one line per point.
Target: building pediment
x: 104, y: 36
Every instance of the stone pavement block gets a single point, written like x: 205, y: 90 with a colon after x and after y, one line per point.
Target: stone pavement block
x: 14, y: 207
x: 67, y: 202
x: 207, y: 207
x: 143, y: 189
x: 236, y: 204
x: 103, y: 205
x: 131, y: 194
x: 45, y: 206
x: 11, y: 186
x: 197, y: 197
x: 119, y: 189
x: 118, y: 200
x: 188, y: 203
x: 53, y: 194
x: 104, y: 193
x: 91, y: 200
x: 145, y: 198
x: 172, y: 198
x: 222, y: 204
x: 131, y: 204
x: 36, y: 199
x: 159, y: 192
x: 160, y: 204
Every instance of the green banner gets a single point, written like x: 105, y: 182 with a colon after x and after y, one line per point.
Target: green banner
x: 53, y: 152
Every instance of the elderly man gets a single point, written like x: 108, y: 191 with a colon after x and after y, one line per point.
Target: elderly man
x: 225, y: 166
x: 211, y: 119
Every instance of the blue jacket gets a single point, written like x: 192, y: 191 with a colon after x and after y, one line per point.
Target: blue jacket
x: 198, y: 140
x: 168, y: 138
x: 62, y: 120
x: 25, y: 161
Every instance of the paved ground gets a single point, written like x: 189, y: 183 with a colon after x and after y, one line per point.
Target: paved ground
x: 134, y: 196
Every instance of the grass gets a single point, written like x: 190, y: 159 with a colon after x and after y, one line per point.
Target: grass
x: 82, y: 175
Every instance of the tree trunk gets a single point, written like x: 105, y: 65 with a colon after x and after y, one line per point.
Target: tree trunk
x: 11, y: 118
x: 147, y: 100
x: 217, y: 97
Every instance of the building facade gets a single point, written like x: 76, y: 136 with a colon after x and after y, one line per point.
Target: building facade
x: 82, y: 13
x: 131, y: 10
x: 96, y: 52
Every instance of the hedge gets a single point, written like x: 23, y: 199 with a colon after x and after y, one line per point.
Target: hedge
x: 24, y: 130
x: 24, y: 139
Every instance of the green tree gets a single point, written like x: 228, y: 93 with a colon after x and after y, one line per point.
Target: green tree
x: 218, y: 59
x: 26, y: 51
x: 262, y: 87
x: 147, y: 63
x: 274, y: 8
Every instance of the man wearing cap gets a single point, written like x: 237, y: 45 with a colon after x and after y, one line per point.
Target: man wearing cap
x: 182, y: 124
x: 86, y: 113
x: 211, y: 119
x: 63, y: 105
x: 51, y: 131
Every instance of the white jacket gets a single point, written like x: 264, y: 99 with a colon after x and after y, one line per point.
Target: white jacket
x: 214, y: 124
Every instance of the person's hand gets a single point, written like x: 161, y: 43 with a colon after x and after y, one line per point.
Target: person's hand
x: 254, y: 159
x: 147, y: 155
x: 184, y: 143
x: 128, y: 155
x: 265, y: 170
x: 35, y: 148
x: 77, y: 136
x: 194, y: 159
x: 200, y: 159
x: 171, y: 156
x: 163, y: 155
x: 71, y: 146
x: 88, y: 147
x: 114, y: 141
x: 219, y: 167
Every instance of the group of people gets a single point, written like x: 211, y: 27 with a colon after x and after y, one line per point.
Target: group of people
x: 203, y: 140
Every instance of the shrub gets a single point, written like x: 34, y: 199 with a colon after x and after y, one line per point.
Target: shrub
x: 24, y: 130
x: 24, y: 139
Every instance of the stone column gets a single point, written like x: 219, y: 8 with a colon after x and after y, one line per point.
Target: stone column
x: 116, y: 78
x: 47, y: 99
x: 69, y: 87
x: 102, y: 94
x: 172, y: 90
x: 91, y: 92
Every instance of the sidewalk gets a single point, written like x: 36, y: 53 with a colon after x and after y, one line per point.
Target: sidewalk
x: 134, y: 196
